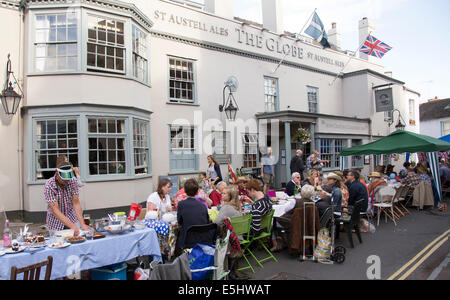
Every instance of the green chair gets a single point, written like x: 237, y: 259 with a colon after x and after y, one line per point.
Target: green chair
x: 266, y: 223
x: 241, y: 226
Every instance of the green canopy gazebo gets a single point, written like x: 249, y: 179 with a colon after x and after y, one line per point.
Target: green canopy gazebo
x: 403, y: 141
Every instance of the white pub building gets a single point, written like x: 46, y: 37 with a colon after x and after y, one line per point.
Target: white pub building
x: 130, y: 91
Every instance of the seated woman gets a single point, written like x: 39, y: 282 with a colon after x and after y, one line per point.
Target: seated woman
x: 260, y: 207
x: 244, y: 196
x: 231, y: 205
x: 160, y: 200
x: 313, y: 178
x: 216, y: 195
x: 190, y: 212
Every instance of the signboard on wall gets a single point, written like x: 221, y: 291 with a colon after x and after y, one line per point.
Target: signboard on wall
x: 384, y: 100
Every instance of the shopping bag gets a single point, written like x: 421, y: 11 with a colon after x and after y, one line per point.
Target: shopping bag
x: 323, y: 248
x: 201, y: 261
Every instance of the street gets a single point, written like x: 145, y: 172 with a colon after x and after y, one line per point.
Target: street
x: 405, y: 250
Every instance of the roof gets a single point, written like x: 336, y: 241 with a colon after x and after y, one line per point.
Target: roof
x: 435, y: 109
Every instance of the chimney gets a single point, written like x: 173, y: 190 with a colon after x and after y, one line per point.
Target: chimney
x: 334, y: 36
x: 365, y: 27
x: 222, y: 8
x: 272, y: 12
x: 389, y: 73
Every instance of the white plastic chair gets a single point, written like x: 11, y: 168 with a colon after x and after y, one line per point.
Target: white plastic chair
x: 386, y: 193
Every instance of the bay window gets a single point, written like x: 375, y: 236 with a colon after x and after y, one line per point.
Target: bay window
x: 111, y: 147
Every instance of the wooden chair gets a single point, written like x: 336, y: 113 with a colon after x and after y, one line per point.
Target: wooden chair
x: 33, y: 272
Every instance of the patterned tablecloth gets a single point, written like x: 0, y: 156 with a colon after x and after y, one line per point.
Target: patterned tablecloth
x: 110, y: 250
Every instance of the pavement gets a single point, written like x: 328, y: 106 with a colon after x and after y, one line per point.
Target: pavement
x: 416, y: 249
x: 404, y: 249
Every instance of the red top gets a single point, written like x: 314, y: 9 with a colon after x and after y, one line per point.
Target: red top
x: 216, y: 198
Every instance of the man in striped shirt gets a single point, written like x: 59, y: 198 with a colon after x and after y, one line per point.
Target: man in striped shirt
x: 261, y: 207
x: 62, y: 197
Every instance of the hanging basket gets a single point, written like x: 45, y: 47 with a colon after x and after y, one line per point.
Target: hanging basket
x: 302, y: 136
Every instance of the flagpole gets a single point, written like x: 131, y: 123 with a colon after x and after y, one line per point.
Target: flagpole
x: 351, y: 57
x: 307, y: 21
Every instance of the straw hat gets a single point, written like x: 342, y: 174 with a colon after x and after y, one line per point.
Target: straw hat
x: 339, y: 173
x: 375, y: 175
x: 333, y: 176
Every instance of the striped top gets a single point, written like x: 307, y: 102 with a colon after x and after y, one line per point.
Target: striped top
x: 260, y: 208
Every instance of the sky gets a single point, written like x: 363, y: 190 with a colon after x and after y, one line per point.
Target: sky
x: 417, y: 30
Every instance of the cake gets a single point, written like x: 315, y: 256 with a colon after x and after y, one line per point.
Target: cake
x: 38, y: 238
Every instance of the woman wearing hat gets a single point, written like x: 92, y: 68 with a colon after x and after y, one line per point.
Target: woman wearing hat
x: 376, y: 181
x: 339, y: 191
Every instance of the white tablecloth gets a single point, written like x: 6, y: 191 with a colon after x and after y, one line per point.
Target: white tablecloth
x: 281, y: 209
x: 110, y: 250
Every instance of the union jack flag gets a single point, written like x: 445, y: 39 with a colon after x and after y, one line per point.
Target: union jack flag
x: 373, y: 46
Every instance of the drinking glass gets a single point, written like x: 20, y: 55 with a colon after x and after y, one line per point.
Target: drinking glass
x: 89, y: 235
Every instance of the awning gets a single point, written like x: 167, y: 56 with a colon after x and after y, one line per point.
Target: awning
x: 401, y: 142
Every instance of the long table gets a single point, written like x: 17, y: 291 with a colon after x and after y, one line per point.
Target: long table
x: 87, y: 255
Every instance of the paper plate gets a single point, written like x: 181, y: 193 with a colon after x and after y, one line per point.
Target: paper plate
x: 10, y: 250
x: 57, y: 246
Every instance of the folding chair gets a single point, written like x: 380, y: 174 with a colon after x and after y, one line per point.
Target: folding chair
x: 266, y: 223
x: 241, y: 227
x: 200, y: 234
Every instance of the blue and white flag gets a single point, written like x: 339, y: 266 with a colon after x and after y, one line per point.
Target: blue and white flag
x: 317, y: 31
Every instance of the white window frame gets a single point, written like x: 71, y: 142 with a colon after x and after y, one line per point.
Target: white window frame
x: 107, y: 45
x: 183, y: 151
x: 445, y: 131
x: 181, y: 81
x: 248, y: 144
x: 32, y: 36
x: 332, y: 152
x: 140, y: 54
x: 310, y: 90
x: 142, y: 144
x: 271, y: 94
x: 82, y: 41
x: 69, y: 151
x: 81, y: 114
x: 108, y: 136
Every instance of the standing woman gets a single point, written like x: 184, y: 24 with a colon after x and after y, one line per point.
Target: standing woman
x: 160, y: 200
x: 214, y: 173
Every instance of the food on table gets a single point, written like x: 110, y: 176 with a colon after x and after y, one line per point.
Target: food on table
x: 98, y: 235
x: 75, y: 239
x: 38, y: 238
x: 15, y: 245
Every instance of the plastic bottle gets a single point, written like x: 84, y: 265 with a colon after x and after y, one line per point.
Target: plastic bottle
x: 7, y: 236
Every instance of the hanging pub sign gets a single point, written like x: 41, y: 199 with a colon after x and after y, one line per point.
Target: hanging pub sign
x: 384, y: 100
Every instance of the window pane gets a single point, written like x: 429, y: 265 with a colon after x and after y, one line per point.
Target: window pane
x: 51, y: 34
x: 49, y: 146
